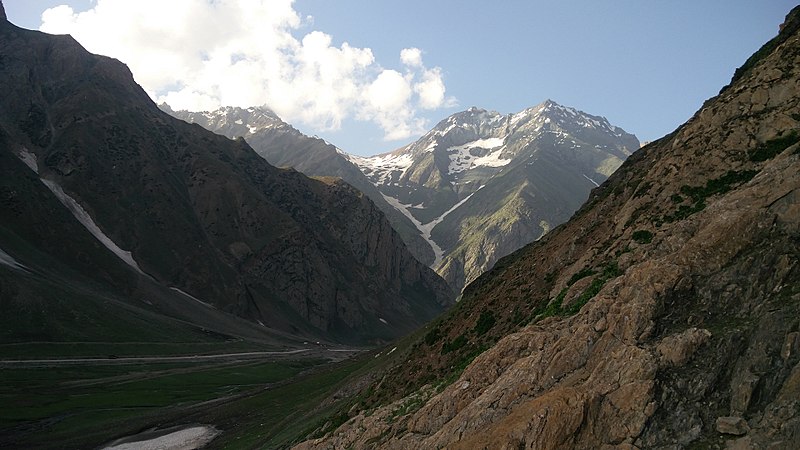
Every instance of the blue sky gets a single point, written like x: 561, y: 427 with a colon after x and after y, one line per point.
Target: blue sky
x: 645, y: 65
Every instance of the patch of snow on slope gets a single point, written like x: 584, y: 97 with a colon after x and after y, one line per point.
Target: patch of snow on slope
x: 426, y: 233
x: 492, y: 160
x: 191, y: 297
x: 461, y: 158
x: 29, y: 159
x: 86, y: 220
x: 187, y: 438
x: 427, y: 229
x: 593, y: 182
x: 8, y: 260
x: 382, y: 166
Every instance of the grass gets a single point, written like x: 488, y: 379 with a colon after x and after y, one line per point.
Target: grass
x: 37, y: 350
x: 86, y: 405
x: 698, y: 194
x: 276, y: 418
x: 556, y: 307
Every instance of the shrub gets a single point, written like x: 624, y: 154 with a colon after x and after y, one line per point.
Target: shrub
x: 457, y: 343
x: 642, y: 236
x: 485, y: 323
x: 774, y: 147
x: 433, y: 336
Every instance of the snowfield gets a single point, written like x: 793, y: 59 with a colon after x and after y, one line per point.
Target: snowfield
x: 461, y: 157
x: 86, y: 220
x: 382, y: 166
x: 186, y: 439
x: 8, y: 260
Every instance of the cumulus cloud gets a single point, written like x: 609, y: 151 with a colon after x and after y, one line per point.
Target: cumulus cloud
x: 411, y: 57
x: 203, y: 54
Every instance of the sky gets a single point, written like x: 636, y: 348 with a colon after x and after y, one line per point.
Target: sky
x: 371, y: 76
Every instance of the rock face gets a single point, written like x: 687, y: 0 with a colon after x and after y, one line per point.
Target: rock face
x: 664, y: 313
x: 192, y: 210
x: 284, y: 146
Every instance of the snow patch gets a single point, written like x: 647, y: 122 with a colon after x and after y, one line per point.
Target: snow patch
x: 461, y: 157
x: 86, y: 220
x: 426, y: 232
x: 383, y: 320
x: 29, y: 159
x: 193, y: 298
x: 383, y: 166
x: 252, y: 129
x: 427, y: 228
x: 8, y: 260
x: 187, y: 438
x: 593, y: 182
x: 391, y: 351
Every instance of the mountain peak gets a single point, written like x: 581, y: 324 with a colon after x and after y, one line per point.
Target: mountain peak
x: 2, y: 11
x: 232, y: 120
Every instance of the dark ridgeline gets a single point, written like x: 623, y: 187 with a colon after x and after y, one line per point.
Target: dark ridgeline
x: 198, y: 212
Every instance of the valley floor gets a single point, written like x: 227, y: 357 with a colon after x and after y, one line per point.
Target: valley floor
x: 250, y: 399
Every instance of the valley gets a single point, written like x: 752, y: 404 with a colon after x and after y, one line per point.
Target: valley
x: 535, y: 279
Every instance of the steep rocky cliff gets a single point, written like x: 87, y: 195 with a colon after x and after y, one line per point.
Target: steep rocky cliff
x: 664, y: 314
x: 190, y: 210
x: 282, y: 145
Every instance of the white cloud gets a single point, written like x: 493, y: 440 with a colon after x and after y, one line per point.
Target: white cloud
x: 202, y: 54
x: 411, y: 57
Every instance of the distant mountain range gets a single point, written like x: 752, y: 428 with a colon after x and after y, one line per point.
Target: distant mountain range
x: 475, y: 188
x: 103, y: 196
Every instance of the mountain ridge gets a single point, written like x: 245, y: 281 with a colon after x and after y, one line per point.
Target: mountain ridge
x: 424, y: 186
x: 536, y: 165
x: 191, y: 210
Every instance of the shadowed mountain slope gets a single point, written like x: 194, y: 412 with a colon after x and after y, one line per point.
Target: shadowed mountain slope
x: 102, y: 185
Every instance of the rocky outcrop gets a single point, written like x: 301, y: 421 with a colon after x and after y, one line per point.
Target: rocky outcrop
x: 196, y: 211
x: 664, y: 314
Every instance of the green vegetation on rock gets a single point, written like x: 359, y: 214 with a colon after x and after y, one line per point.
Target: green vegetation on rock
x: 774, y: 147
x: 699, y: 194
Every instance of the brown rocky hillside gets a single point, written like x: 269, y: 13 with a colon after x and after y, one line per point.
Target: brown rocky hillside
x: 664, y: 314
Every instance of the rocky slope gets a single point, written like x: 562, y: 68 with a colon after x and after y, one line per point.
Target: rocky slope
x: 94, y: 171
x: 284, y: 146
x: 664, y: 314
x: 475, y: 188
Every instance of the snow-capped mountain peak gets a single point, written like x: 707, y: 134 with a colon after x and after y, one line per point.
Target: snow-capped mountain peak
x: 231, y: 120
